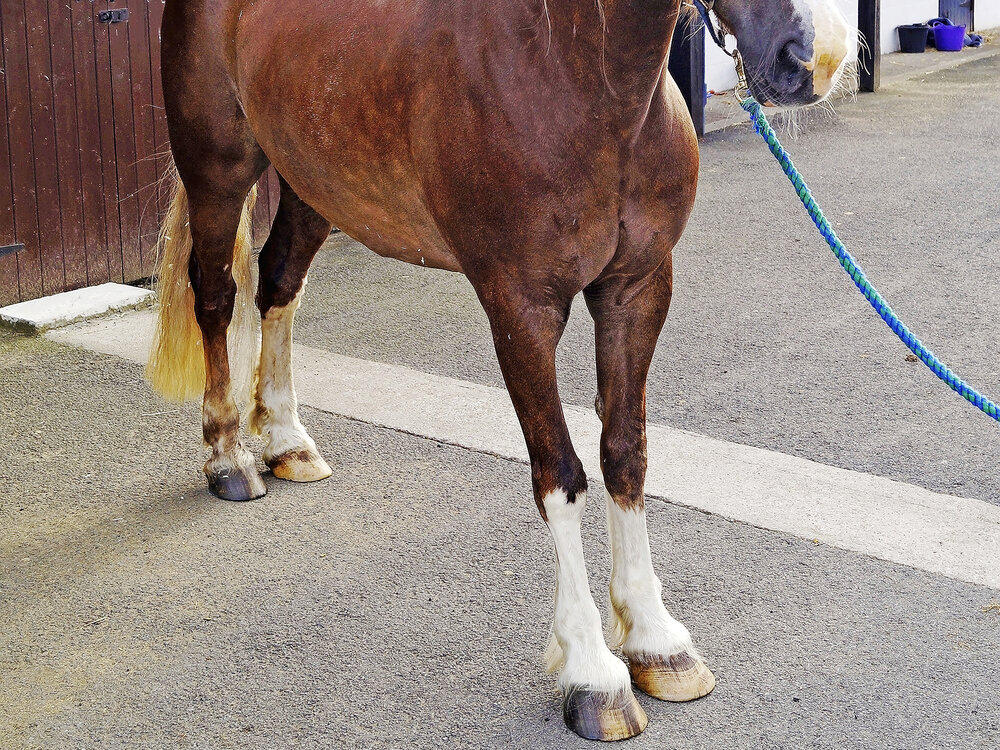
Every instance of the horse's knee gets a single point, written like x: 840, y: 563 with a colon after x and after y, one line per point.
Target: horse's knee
x: 623, y: 463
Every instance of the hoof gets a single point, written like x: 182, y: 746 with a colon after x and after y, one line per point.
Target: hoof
x: 237, y: 485
x: 604, y: 716
x: 299, y: 466
x: 677, y: 678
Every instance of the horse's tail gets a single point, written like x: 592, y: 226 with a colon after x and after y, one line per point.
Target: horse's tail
x: 176, y: 367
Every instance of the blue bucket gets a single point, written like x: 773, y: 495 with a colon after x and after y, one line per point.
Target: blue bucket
x: 949, y: 38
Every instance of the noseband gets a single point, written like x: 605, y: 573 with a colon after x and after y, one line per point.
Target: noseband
x: 705, y: 9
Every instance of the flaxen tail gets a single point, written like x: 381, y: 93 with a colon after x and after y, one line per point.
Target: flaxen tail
x: 176, y: 367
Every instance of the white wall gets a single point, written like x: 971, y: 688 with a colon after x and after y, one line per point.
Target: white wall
x: 899, y: 12
x: 850, y: 10
x: 987, y: 14
x: 720, y: 71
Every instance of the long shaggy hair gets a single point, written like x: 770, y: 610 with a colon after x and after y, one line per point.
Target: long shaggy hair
x: 176, y: 367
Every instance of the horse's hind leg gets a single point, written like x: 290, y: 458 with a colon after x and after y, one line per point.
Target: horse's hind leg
x: 215, y: 222
x: 296, y: 234
x: 218, y: 161
x: 661, y: 657
x: 598, y: 701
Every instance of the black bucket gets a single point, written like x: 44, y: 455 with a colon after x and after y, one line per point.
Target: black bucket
x: 913, y: 37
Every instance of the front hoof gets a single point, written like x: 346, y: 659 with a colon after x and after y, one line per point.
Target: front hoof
x: 299, y: 466
x: 238, y: 485
x: 604, y: 716
x: 677, y: 678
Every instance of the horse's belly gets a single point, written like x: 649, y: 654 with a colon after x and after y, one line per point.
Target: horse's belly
x: 335, y: 129
x: 379, y: 203
x: 409, y: 236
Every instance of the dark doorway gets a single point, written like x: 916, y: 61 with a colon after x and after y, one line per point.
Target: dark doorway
x: 959, y: 12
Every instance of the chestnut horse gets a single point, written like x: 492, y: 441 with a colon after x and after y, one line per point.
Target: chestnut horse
x: 537, y: 146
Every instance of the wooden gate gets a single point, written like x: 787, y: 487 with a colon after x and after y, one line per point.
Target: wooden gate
x: 85, y: 144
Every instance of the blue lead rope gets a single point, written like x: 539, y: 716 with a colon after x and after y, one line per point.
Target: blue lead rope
x: 924, y: 354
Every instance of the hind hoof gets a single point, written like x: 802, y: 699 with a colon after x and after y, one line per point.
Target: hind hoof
x: 299, y: 466
x: 604, y: 716
x: 677, y: 678
x: 237, y: 485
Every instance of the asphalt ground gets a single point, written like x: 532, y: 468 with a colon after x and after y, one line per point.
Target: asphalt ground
x: 768, y: 343
x: 404, y: 602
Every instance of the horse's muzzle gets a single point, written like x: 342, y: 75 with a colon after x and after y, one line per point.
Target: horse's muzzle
x: 805, y: 67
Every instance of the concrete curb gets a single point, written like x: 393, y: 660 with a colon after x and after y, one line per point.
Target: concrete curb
x: 951, y: 536
x: 58, y: 310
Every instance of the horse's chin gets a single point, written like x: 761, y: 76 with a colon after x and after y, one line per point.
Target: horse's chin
x: 781, y: 103
x: 809, y: 95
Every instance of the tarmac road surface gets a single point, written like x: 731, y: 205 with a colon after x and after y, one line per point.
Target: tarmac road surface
x: 404, y: 602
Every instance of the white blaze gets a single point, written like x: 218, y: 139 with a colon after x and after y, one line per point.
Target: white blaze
x: 833, y: 45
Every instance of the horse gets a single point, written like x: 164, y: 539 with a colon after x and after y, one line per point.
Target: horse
x: 541, y: 148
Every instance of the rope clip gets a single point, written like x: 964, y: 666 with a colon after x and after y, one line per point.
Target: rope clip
x: 742, y: 90
x: 718, y: 33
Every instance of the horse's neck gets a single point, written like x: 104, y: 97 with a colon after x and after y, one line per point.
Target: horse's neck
x: 632, y: 36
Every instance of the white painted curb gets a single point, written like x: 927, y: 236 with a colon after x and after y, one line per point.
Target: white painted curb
x: 62, y: 309
x: 890, y: 520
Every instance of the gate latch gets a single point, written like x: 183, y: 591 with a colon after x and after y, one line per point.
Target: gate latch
x: 113, y: 16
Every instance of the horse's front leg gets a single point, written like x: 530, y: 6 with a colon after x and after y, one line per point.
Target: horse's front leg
x: 296, y: 235
x: 628, y: 319
x: 598, y: 700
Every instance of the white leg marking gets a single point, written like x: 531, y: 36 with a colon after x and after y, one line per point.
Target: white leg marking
x: 228, y: 452
x: 275, y: 414
x: 585, y: 659
x: 643, y: 624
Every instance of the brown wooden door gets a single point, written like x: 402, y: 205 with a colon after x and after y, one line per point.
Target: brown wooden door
x: 85, y: 145
x: 83, y: 130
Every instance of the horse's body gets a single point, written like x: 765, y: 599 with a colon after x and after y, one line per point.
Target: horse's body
x: 539, y: 147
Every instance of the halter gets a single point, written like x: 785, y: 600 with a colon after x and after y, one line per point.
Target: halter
x: 705, y: 9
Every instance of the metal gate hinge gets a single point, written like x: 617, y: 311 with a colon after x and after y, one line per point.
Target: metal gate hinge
x: 113, y: 16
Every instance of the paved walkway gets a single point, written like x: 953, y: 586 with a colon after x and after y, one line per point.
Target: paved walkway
x: 404, y: 602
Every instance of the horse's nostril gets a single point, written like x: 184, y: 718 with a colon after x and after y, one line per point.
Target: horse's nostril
x: 794, y: 53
